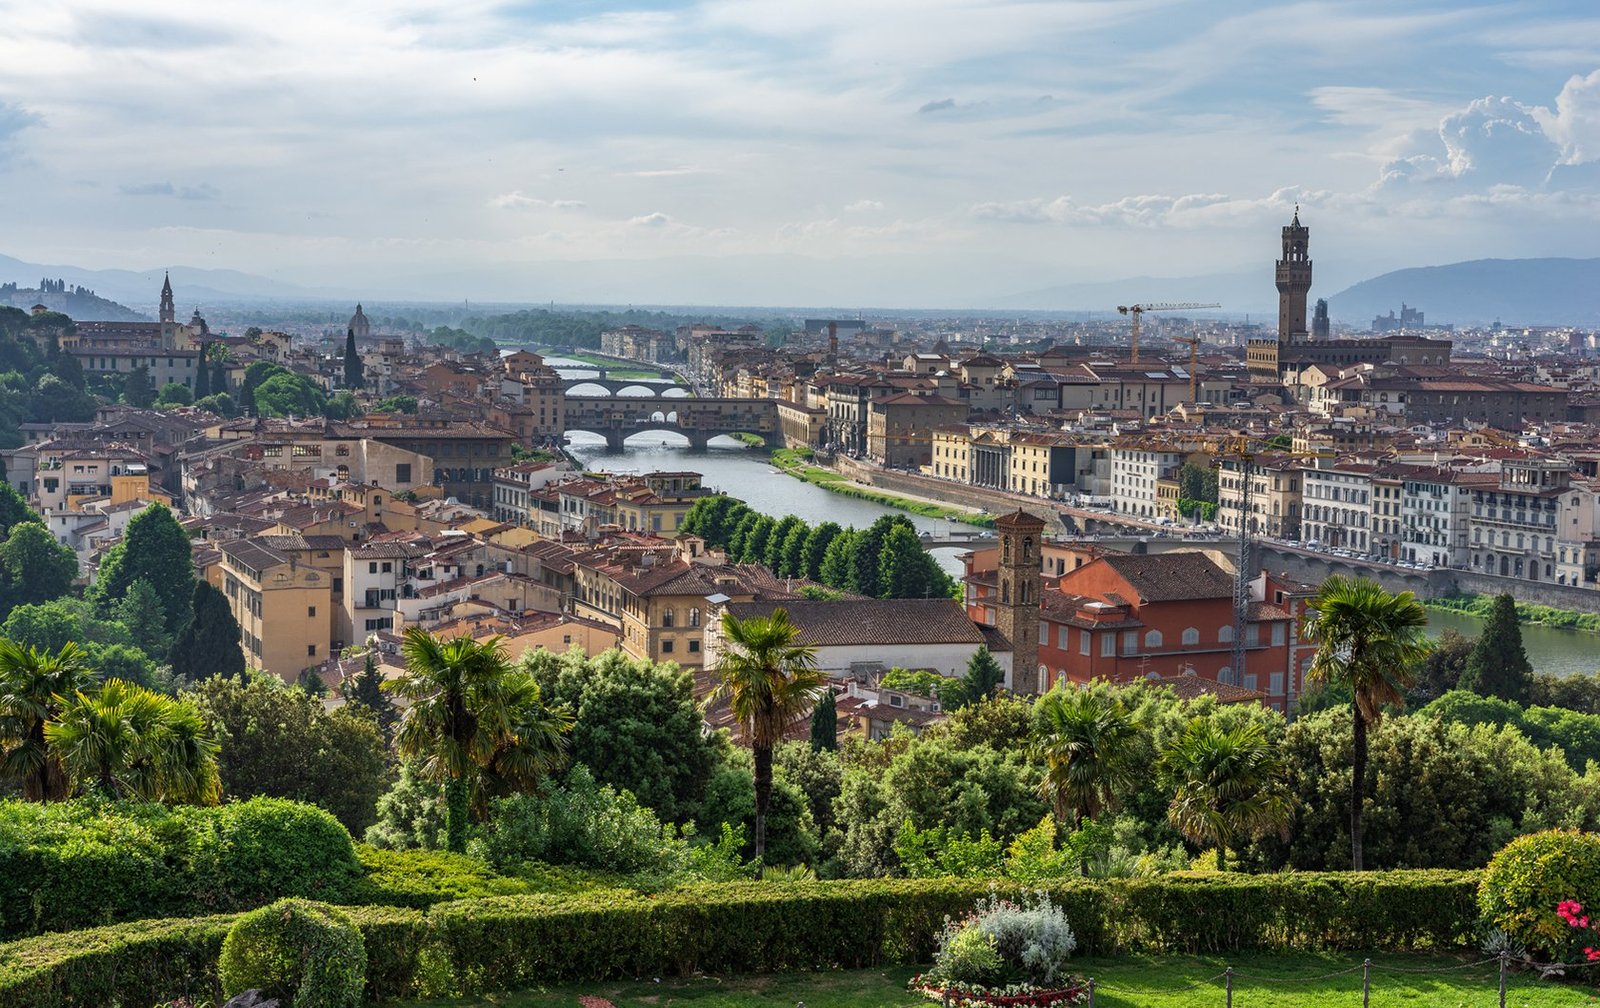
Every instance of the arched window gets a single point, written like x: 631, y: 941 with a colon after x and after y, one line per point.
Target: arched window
x: 694, y: 617
x: 668, y: 617
x: 1191, y: 636
x: 1225, y: 634
x: 1152, y: 639
x: 1225, y: 674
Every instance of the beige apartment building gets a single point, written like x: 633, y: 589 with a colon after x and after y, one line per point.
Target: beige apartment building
x: 284, y: 606
x: 1275, y: 496
x: 898, y: 426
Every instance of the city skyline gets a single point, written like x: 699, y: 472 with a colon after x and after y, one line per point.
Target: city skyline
x: 927, y: 155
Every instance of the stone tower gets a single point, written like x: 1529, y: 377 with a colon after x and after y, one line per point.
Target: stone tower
x: 1016, y: 611
x: 1294, y: 282
x: 1320, y: 327
x: 169, y: 308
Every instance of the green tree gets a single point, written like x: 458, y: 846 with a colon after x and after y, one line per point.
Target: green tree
x: 341, y: 407
x: 123, y: 741
x: 220, y: 403
x: 638, y: 727
x: 1498, y: 666
x: 289, y: 395
x: 141, y: 613
x: 399, y: 404
x: 51, y: 625
x: 778, y: 542
x: 254, y: 375
x: 209, y: 643
x: 202, y: 375
x: 354, y: 370
x: 219, y: 377
x: 153, y: 547
x: 1083, y: 739
x: 37, y: 568
x: 825, y: 722
x: 984, y: 676
x: 281, y: 742
x: 754, y: 548
x: 792, y: 558
x: 1443, y: 667
x: 13, y: 509
x: 836, y: 565
x: 174, y: 394
x: 1227, y: 786
x: 906, y: 570
x: 55, y: 401
x: 769, y: 682
x: 34, y: 684
x: 365, y: 688
x: 469, y: 716
x: 1370, y: 642
x: 137, y: 390
x: 866, y: 562
x: 816, y: 550
x: 1198, y: 483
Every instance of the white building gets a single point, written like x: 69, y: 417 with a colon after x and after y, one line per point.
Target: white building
x: 1337, y: 508
x: 1134, y: 472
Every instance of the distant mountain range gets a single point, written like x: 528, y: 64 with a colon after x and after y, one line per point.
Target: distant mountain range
x: 1521, y: 291
x: 1516, y: 291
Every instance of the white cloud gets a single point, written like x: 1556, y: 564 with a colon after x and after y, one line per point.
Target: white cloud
x: 651, y: 220
x: 1575, y: 123
x: 517, y: 200
x: 863, y: 206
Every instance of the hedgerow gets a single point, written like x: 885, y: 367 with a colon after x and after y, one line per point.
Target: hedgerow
x: 506, y: 942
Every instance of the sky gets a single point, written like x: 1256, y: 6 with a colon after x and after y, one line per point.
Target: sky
x: 937, y: 153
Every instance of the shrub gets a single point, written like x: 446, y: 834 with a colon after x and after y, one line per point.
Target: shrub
x: 1531, y: 877
x: 91, y: 862
x: 419, y: 879
x: 1006, y: 942
x: 149, y: 962
x: 306, y: 955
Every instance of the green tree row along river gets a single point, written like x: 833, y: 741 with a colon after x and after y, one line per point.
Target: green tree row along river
x: 745, y: 472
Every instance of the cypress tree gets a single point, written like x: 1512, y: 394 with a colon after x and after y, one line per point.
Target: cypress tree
x: 156, y: 548
x: 825, y: 723
x: 984, y: 676
x: 1498, y: 666
x: 202, y: 375
x: 835, y: 569
x: 209, y: 643
x: 137, y: 390
x: 354, y: 370
x: 219, y: 377
x: 365, y: 688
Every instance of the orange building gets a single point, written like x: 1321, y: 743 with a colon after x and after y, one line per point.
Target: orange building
x: 1126, y: 617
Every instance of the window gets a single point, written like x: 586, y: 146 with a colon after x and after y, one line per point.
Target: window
x: 666, y: 647
x: 372, y: 567
x: 388, y: 568
x: 1152, y: 639
x: 1061, y: 638
x: 1275, y: 687
x: 311, y: 612
x: 694, y: 647
x: 1280, y: 634
x: 311, y: 650
x: 1191, y: 636
x: 668, y: 617
x: 694, y: 617
x: 1083, y: 642
x: 1108, y: 645
x: 1225, y: 634
x: 402, y: 472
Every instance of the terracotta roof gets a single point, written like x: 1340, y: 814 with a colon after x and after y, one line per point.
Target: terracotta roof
x: 1189, y: 687
x: 1170, y: 577
x: 873, y: 621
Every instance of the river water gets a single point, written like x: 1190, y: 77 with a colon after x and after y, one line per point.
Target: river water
x: 738, y: 470
x: 743, y: 472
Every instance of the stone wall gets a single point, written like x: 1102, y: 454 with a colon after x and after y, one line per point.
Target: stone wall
x: 996, y: 502
x: 1539, y: 592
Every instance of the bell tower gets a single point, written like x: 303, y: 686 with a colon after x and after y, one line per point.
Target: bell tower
x: 169, y: 309
x: 1294, y: 282
x: 1016, y: 610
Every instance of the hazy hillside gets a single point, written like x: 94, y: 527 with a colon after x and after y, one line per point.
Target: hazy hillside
x: 1237, y: 293
x: 193, y: 287
x: 1524, y: 291
x: 77, y: 302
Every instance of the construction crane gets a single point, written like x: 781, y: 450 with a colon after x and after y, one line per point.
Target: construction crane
x: 1193, y: 343
x: 1139, y: 309
x: 1241, y: 450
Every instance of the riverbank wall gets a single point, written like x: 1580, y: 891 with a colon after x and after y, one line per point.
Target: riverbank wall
x: 978, y: 498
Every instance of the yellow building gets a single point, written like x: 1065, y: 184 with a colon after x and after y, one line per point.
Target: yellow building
x: 952, y: 454
x: 284, y: 606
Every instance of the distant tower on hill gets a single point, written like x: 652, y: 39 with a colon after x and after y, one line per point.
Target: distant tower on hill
x: 1016, y: 611
x: 1294, y: 282
x: 169, y: 307
x: 1319, y: 321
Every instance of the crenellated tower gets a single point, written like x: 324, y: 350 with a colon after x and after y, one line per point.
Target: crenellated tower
x: 1016, y: 611
x: 1294, y: 282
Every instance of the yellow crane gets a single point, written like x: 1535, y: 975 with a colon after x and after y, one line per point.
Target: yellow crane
x: 1139, y: 309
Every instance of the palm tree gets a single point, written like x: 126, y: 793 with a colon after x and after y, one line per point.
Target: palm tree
x: 1083, y: 738
x: 1370, y: 641
x: 469, y: 714
x: 770, y: 683
x: 127, y: 742
x: 1228, y: 785
x: 32, y: 685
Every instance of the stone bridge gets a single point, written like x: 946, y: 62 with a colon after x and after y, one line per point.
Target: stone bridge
x: 616, y: 386
x: 616, y: 418
x: 1312, y: 567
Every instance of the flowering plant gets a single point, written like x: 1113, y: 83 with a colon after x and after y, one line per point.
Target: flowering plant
x: 1581, y: 943
x: 1022, y: 995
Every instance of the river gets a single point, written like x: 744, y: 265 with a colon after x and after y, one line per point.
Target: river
x: 744, y: 472
x: 741, y: 471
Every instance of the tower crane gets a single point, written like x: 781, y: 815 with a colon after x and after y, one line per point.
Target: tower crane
x: 1244, y: 451
x: 1139, y: 309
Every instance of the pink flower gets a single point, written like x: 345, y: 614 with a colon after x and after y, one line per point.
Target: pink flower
x: 1593, y: 955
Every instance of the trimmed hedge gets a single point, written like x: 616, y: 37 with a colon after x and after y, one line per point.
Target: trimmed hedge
x: 296, y: 952
x: 87, y: 862
x: 506, y: 942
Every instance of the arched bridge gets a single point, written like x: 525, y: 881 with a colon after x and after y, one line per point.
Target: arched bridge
x: 617, y: 417
x: 616, y: 386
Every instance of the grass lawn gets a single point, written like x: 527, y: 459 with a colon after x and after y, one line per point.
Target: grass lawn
x: 795, y: 463
x: 1122, y: 983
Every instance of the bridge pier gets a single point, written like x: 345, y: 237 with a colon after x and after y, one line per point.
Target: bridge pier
x: 615, y: 439
x: 698, y: 440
